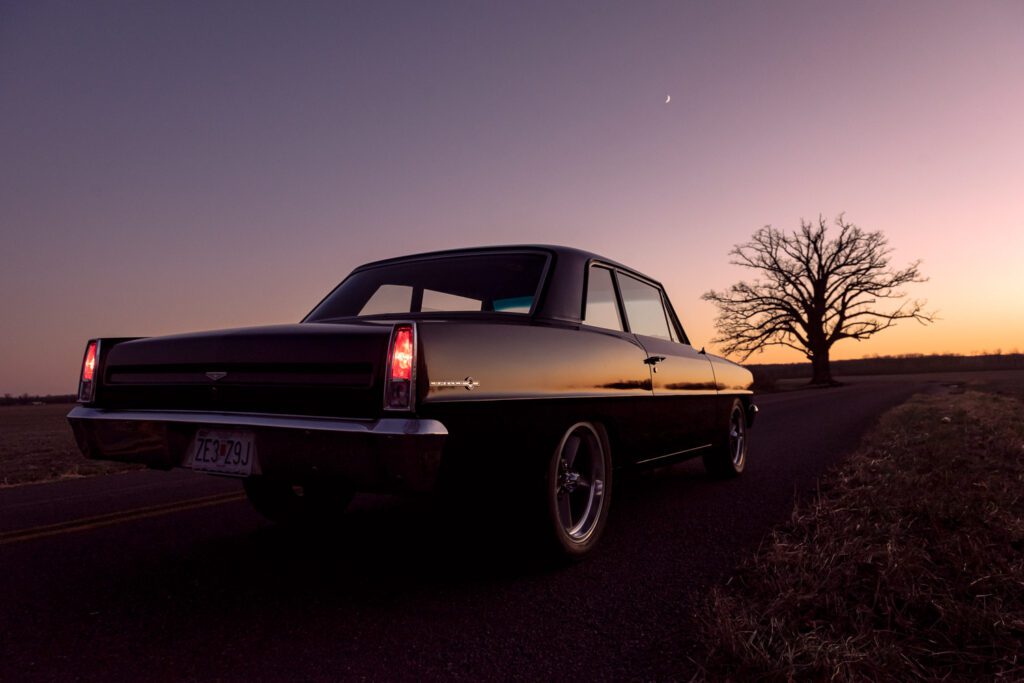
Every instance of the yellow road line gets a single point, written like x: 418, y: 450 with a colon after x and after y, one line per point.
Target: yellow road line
x: 97, y: 521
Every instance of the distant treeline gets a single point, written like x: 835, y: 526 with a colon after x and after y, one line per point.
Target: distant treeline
x: 27, y: 400
x: 892, y: 365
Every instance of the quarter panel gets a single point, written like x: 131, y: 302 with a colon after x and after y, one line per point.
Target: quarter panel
x: 528, y: 361
x: 533, y: 380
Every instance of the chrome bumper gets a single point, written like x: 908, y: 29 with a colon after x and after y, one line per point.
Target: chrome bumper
x: 390, y: 454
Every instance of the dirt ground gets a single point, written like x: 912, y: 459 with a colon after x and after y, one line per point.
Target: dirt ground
x: 36, y: 445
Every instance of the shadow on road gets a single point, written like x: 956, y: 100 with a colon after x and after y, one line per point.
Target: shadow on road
x: 393, y: 545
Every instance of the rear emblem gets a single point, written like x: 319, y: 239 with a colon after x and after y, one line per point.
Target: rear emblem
x: 216, y: 375
x: 469, y: 383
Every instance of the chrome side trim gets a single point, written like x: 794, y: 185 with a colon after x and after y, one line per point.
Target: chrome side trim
x: 384, y: 427
x: 670, y: 455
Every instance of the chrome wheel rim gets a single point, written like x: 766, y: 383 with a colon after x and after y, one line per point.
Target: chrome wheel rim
x: 737, y: 438
x: 579, y: 482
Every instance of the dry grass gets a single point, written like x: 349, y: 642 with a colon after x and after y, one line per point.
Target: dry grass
x: 907, y: 566
x: 1008, y: 384
x: 36, y: 445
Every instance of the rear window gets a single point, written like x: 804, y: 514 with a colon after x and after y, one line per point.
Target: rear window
x: 493, y: 283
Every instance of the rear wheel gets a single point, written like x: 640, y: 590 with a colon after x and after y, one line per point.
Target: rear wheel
x: 314, y: 502
x: 729, y: 455
x: 578, y: 489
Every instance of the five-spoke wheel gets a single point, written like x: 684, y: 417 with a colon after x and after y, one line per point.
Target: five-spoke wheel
x: 579, y: 488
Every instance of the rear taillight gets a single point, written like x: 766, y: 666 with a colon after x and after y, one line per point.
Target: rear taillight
x: 401, y: 354
x: 400, y: 383
x: 87, y: 380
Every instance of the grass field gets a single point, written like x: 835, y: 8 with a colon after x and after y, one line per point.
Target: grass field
x: 36, y: 445
x: 909, y: 565
x: 1004, y: 382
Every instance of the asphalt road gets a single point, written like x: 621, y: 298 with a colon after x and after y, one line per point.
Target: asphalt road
x: 171, y: 576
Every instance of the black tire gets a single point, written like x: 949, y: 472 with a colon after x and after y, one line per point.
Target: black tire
x: 577, y: 490
x: 316, y: 502
x: 728, y: 457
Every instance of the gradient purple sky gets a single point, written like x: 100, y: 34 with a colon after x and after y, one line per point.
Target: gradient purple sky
x: 179, y: 166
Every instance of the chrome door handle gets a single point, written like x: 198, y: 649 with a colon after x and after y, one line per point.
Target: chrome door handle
x: 654, y: 360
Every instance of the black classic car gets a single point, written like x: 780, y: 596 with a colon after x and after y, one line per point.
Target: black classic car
x: 535, y: 369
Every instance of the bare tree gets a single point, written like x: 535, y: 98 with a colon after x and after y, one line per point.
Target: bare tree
x: 812, y: 292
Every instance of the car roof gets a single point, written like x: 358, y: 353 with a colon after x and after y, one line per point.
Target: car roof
x: 556, y: 249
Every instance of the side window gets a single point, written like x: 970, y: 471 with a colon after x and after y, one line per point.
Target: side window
x: 601, y: 310
x: 644, y: 308
x: 668, y: 315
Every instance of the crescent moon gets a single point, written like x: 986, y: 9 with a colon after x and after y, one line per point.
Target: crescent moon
x: 668, y: 98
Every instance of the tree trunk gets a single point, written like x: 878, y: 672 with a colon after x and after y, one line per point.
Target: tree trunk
x: 822, y: 371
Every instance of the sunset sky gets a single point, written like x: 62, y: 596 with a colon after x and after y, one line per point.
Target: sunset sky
x: 177, y: 166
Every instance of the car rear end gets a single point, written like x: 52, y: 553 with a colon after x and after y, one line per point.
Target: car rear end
x: 287, y: 402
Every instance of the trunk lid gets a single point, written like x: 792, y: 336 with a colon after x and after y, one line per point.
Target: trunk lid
x: 303, y: 369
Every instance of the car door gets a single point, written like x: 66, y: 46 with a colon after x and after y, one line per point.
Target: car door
x: 682, y: 379
x: 624, y: 379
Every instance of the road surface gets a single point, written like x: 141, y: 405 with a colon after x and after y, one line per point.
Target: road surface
x: 171, y: 576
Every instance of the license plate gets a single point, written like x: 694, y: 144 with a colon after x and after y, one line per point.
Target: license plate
x: 223, y: 452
